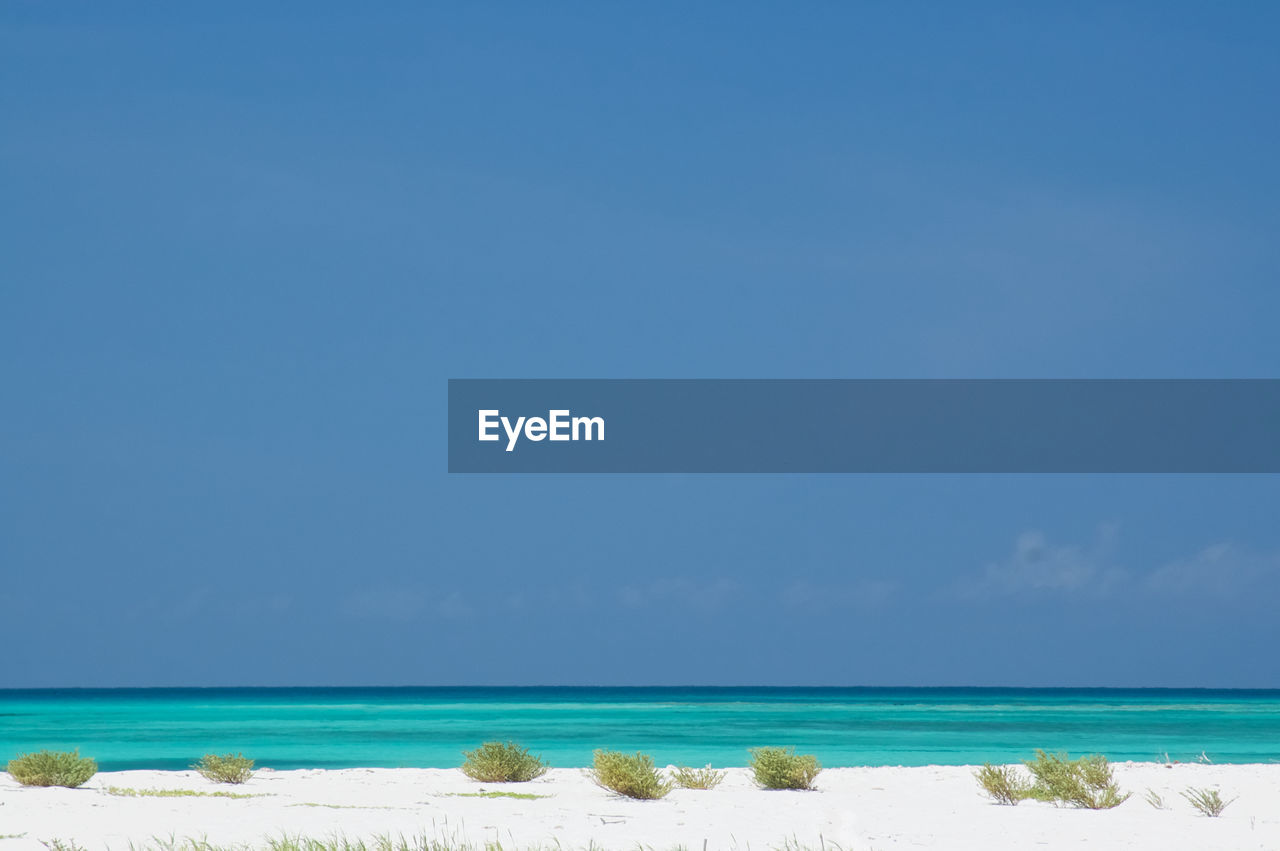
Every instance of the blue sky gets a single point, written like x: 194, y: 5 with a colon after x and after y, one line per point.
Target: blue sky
x: 244, y: 250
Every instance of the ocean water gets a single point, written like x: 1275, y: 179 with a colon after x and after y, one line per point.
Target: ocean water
x: 430, y: 727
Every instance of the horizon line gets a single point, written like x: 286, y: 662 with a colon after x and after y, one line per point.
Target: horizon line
x: 443, y: 686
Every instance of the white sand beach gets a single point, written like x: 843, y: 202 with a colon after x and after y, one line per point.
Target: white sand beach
x: 863, y: 808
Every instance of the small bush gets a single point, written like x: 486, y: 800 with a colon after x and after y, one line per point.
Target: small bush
x: 228, y: 768
x: 495, y: 762
x: 1155, y: 799
x: 1003, y: 784
x: 1086, y: 782
x: 697, y: 778
x: 1207, y: 801
x: 52, y: 768
x: 633, y: 776
x: 783, y: 768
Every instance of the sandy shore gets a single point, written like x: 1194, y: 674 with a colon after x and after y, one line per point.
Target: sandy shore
x: 863, y: 808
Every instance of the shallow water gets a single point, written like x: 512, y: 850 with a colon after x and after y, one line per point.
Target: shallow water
x: 430, y: 727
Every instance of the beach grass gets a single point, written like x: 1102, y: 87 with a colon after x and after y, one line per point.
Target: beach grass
x: 392, y: 842
x: 783, y: 768
x: 697, y: 778
x: 128, y: 792
x: 1207, y: 801
x: 520, y: 796
x: 52, y: 768
x: 1085, y: 783
x: 502, y: 762
x: 227, y: 768
x: 61, y: 845
x: 634, y: 776
x: 1003, y: 784
x: 318, y: 805
x: 382, y: 842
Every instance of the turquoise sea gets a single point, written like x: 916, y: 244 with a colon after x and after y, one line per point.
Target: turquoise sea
x: 430, y: 727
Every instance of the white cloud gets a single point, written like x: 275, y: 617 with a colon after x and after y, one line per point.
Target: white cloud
x: 1222, y: 570
x: 1036, y: 565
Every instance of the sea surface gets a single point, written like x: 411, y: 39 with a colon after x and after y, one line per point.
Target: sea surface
x: 431, y: 727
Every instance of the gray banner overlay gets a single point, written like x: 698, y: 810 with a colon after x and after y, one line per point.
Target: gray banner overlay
x: 864, y: 426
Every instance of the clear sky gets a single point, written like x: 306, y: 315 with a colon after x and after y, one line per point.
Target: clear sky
x: 243, y: 249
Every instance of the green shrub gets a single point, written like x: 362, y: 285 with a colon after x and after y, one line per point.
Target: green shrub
x: 633, y: 776
x: 1207, y: 801
x: 783, y: 768
x: 228, y: 768
x: 1086, y: 782
x: 495, y: 762
x: 1003, y: 784
x: 697, y: 778
x: 52, y: 768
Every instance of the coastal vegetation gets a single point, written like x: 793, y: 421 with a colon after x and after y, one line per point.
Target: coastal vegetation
x: 499, y: 762
x: 317, y: 805
x: 697, y: 778
x: 632, y: 776
x: 384, y: 842
x: 128, y: 792
x: 227, y: 768
x: 1207, y: 801
x: 63, y: 845
x: 52, y: 768
x: 1085, y: 782
x: 1003, y: 784
x: 519, y: 796
x: 783, y: 768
